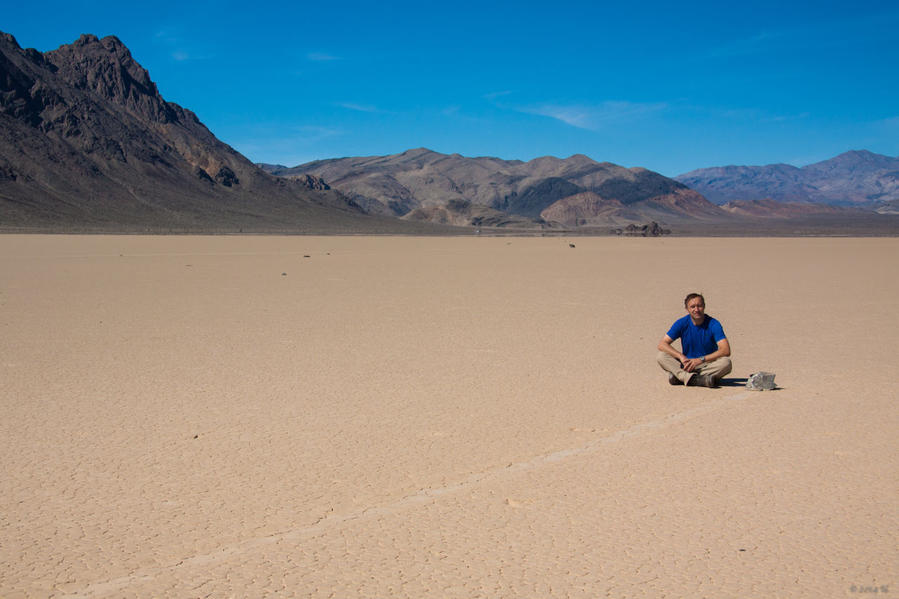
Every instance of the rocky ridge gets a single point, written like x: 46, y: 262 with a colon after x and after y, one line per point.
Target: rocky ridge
x: 421, y: 184
x: 87, y: 142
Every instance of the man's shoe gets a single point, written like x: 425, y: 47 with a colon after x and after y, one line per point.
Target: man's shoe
x: 701, y: 380
x: 673, y: 380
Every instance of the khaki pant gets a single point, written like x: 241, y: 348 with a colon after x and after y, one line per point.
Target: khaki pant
x: 716, y: 368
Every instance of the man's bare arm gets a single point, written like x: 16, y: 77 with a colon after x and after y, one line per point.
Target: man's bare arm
x: 722, y: 351
x: 665, y: 346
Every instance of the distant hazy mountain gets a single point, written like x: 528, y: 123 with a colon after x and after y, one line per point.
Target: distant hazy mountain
x: 856, y: 178
x: 424, y: 185
x: 86, y: 141
x: 773, y: 209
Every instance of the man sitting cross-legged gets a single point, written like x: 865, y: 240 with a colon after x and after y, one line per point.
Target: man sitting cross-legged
x: 706, y: 351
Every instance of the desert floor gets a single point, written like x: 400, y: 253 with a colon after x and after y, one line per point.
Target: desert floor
x: 364, y: 417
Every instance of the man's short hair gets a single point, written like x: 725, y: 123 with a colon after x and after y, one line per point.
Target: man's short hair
x: 693, y: 296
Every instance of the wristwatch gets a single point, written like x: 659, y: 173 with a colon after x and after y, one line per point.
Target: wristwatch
x: 702, y: 358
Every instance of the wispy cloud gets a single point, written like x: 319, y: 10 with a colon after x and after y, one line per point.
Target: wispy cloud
x: 494, y: 95
x: 782, y: 118
x: 179, y: 50
x: 595, y: 117
x: 184, y: 55
x: 321, y: 57
x: 359, y: 107
x: 311, y: 134
x: 165, y: 35
x: 756, y: 115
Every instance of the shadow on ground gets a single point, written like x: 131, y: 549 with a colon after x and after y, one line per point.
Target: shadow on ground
x: 741, y: 382
x: 733, y: 382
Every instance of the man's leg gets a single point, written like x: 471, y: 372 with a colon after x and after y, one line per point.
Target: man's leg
x: 672, y: 366
x: 716, y: 368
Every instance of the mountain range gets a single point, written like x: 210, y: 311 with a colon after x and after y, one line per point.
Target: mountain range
x: 88, y: 143
x: 857, y: 178
x: 424, y: 185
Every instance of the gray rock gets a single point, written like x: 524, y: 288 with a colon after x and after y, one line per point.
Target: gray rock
x: 761, y: 381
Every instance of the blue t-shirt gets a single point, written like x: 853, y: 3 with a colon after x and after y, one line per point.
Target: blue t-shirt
x: 697, y: 341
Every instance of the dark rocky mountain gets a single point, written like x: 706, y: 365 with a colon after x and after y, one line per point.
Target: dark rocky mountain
x: 857, y: 178
x: 424, y: 185
x: 87, y: 142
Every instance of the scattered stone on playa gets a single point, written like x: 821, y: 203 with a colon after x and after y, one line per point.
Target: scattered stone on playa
x: 760, y: 381
x: 571, y: 245
x: 652, y: 229
x: 283, y: 274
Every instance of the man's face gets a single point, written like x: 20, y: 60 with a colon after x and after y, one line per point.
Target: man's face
x: 696, y: 309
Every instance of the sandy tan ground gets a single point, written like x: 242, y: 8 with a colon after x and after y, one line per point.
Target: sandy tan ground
x: 424, y: 417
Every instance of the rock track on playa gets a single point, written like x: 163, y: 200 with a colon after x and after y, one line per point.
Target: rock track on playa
x: 375, y: 417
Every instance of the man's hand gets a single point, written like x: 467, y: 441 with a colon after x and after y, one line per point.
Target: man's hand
x: 690, y: 364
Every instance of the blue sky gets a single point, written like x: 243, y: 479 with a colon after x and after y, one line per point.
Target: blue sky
x: 664, y: 85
